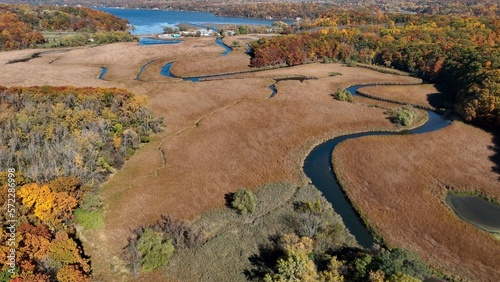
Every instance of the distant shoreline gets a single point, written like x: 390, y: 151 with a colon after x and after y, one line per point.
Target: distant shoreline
x: 192, y: 11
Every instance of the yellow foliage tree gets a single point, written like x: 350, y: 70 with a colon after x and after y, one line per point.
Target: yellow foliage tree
x: 117, y: 142
x: 65, y: 251
x: 292, y: 243
x: 296, y: 264
x: 332, y: 273
x: 376, y: 276
x: 71, y: 273
x: 50, y: 207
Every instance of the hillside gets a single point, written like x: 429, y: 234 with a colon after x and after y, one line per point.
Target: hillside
x: 23, y: 26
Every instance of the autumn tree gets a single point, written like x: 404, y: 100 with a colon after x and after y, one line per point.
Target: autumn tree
x: 65, y: 132
x: 455, y: 50
x: 72, y: 273
x: 53, y: 208
x: 65, y: 255
x: 296, y: 263
x: 14, y: 34
x: 71, y: 185
x: 21, y: 26
x: 34, y: 245
x: 42, y: 253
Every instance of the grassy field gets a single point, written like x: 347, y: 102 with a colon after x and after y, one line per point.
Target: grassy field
x: 402, y: 193
x: 53, y: 38
x: 224, y: 135
x: 235, y: 238
x: 421, y: 95
x: 56, y: 35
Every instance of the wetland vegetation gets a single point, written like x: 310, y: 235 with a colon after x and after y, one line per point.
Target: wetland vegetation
x: 107, y: 193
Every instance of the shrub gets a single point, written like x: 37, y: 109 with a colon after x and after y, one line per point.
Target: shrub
x: 154, y: 250
x: 351, y: 63
x: 401, y: 261
x: 361, y: 265
x: 404, y: 116
x: 244, y: 201
x: 343, y: 95
x: 145, y: 139
x: 73, y: 40
x: 181, y: 234
x: 91, y: 202
x: 104, y: 37
x: 89, y: 220
x: 401, y: 277
x: 309, y: 220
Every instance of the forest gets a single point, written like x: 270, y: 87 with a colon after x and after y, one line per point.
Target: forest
x: 461, y: 52
x: 22, y: 25
x: 65, y: 141
x: 48, y: 132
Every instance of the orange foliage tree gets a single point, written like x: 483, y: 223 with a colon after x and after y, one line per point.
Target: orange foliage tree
x: 14, y: 34
x: 50, y: 207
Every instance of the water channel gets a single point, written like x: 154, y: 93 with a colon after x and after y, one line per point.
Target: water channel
x: 477, y: 211
x: 147, y: 41
x: 318, y: 167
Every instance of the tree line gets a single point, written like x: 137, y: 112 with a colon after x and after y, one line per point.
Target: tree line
x: 293, y: 8
x: 62, y: 142
x: 461, y: 52
x: 21, y: 26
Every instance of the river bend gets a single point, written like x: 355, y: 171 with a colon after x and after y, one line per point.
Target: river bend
x: 318, y: 167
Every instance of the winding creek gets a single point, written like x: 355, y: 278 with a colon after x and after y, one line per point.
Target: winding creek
x: 318, y: 167
x: 147, y: 41
x: 222, y: 44
x: 143, y: 68
x: 166, y: 69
